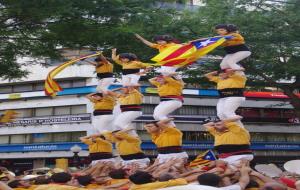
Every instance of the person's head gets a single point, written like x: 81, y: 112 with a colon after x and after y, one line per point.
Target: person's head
x: 127, y: 57
x: 273, y: 186
x: 40, y: 180
x: 223, y: 74
x: 224, y: 29
x: 141, y: 177
x: 152, y: 127
x: 165, y: 177
x: 19, y: 183
x: 252, y: 184
x: 98, y: 59
x: 161, y: 80
x: 163, y: 39
x: 209, y: 179
x: 98, y: 96
x: 61, y: 177
x: 84, y: 180
x: 118, y: 174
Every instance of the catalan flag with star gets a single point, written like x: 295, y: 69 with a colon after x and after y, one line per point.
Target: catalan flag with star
x: 203, y: 159
x: 51, y: 86
x: 181, y: 55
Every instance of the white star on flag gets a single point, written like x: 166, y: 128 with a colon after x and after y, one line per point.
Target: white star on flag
x: 206, y: 42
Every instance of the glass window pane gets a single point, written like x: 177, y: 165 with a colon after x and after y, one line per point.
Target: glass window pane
x: 38, y: 86
x: 19, y: 139
x: 22, y: 88
x: 78, y: 109
x: 43, y: 111
x: 65, y: 84
x: 76, y: 135
x: 207, y: 110
x: 6, y: 89
x: 41, y: 137
x: 148, y: 109
x: 4, y: 139
x: 78, y: 83
x: 63, y: 110
x: 61, y: 137
x: 24, y: 113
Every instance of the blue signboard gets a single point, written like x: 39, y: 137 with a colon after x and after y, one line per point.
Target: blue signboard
x: 147, y: 145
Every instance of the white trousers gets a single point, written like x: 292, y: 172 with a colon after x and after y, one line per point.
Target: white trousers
x: 236, y: 159
x: 231, y: 60
x: 94, y: 162
x: 164, y: 108
x: 166, y: 157
x: 130, y: 80
x: 125, y: 119
x: 103, y: 122
x: 142, y: 163
x: 226, y: 107
x: 104, y: 84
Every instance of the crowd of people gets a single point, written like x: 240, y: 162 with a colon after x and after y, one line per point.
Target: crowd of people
x: 129, y: 167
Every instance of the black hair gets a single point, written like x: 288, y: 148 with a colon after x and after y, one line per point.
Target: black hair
x: 84, y: 180
x: 115, y: 131
x: 98, y: 59
x: 130, y: 56
x: 118, y: 174
x: 154, y: 122
x: 211, y: 119
x: 61, y: 177
x: 165, y: 177
x: 228, y: 27
x: 40, y: 180
x: 166, y: 38
x: 252, y: 184
x: 209, y: 179
x: 141, y: 177
x: 98, y: 94
x: 14, y: 184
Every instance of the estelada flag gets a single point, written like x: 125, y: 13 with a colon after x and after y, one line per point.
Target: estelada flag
x: 203, y: 159
x: 180, y: 55
x: 51, y: 86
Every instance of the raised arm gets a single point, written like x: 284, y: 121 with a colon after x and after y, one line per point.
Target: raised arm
x: 245, y: 178
x: 150, y: 44
x: 211, y: 74
x: 90, y: 97
x: 164, y: 123
x: 112, y: 93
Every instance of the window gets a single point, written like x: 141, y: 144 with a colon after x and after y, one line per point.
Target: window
x: 20, y: 139
x: 62, y: 110
x: 6, y: 89
x: 44, y: 111
x: 207, y: 110
x: 78, y: 109
x: 148, y: 109
x: 75, y: 136
x: 65, y: 84
x: 38, y: 86
x: 4, y: 139
x: 22, y: 88
x: 41, y: 137
x: 78, y: 83
x: 25, y: 113
x: 61, y: 137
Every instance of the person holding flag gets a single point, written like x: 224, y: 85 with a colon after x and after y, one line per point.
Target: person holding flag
x: 162, y: 42
x: 235, y: 47
x: 131, y: 67
x: 170, y: 91
x: 104, y: 70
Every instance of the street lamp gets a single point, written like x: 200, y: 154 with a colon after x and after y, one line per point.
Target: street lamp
x: 76, y: 160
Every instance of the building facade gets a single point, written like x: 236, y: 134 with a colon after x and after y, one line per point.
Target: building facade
x: 47, y: 128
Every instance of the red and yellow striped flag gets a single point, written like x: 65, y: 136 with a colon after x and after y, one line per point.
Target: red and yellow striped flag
x: 51, y: 86
x: 180, y: 55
